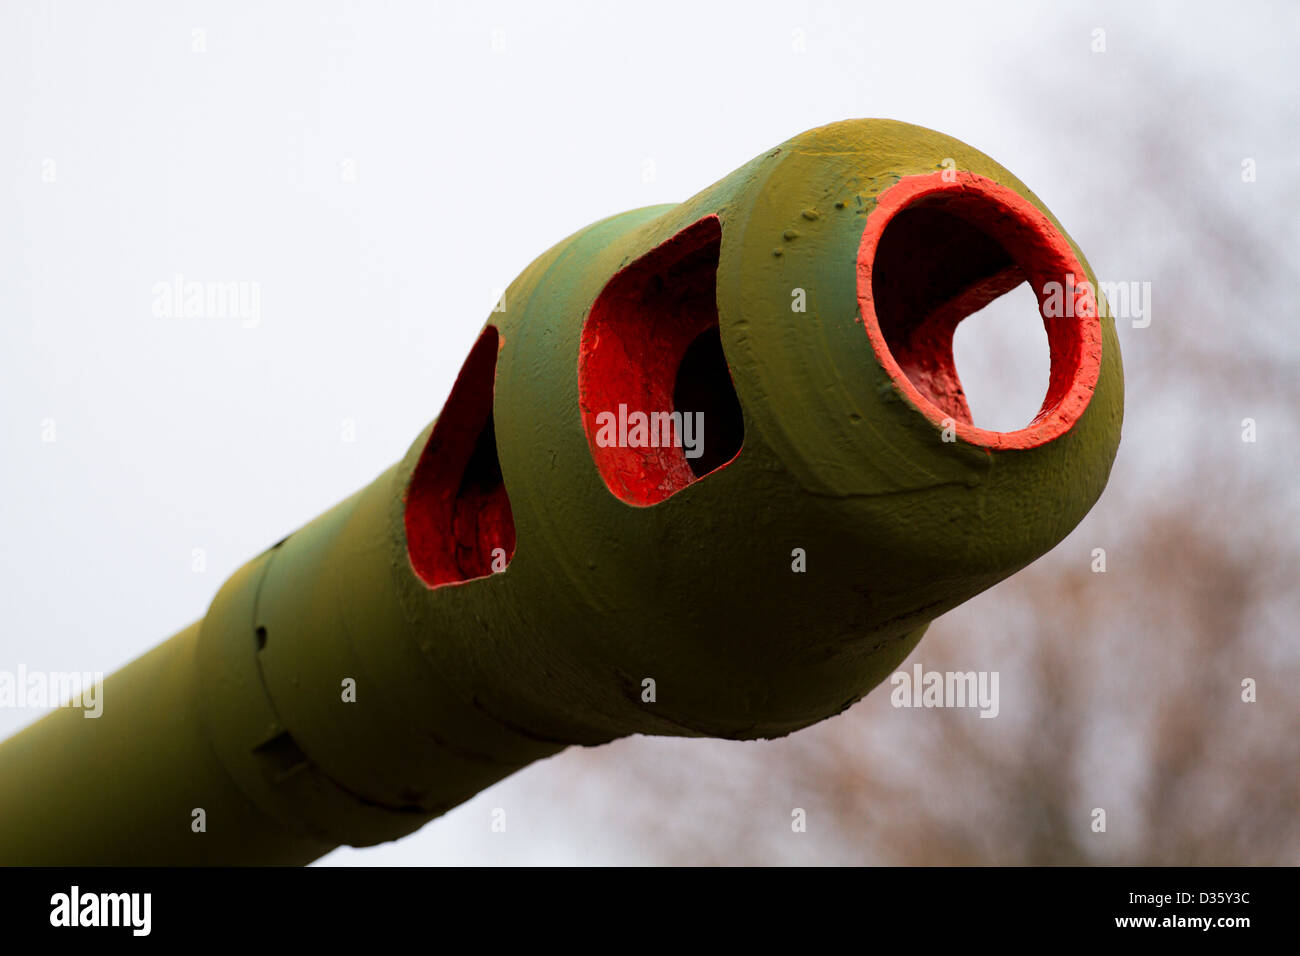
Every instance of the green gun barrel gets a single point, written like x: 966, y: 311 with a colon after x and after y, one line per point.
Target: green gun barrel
x: 707, y: 471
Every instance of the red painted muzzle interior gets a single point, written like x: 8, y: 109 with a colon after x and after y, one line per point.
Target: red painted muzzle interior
x: 939, y: 247
x: 457, y: 509
x: 651, y: 344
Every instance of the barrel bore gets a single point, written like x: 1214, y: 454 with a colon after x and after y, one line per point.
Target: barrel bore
x: 940, y: 247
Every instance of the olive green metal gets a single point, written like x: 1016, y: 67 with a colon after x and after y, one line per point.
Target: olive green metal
x: 242, y: 716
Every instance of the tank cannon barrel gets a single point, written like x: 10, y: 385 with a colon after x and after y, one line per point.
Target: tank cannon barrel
x: 707, y: 471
